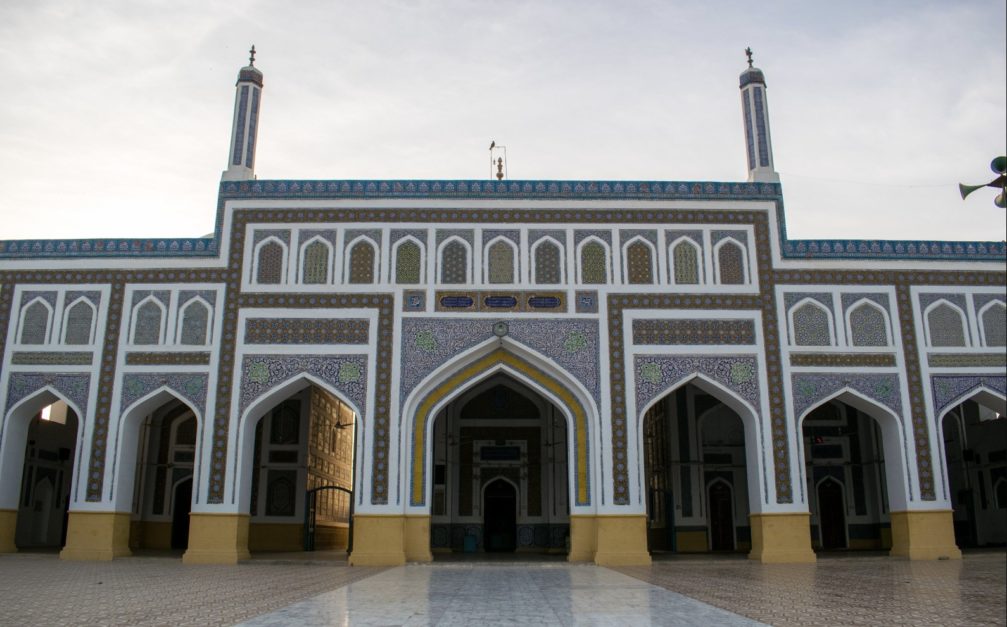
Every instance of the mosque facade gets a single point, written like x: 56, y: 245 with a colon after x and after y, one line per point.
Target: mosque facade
x: 603, y: 369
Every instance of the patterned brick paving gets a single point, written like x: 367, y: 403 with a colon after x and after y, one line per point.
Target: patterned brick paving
x: 855, y: 590
x: 40, y: 589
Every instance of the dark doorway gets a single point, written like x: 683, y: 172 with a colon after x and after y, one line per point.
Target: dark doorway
x: 500, y: 517
x: 832, y: 514
x: 721, y: 517
x: 181, y: 506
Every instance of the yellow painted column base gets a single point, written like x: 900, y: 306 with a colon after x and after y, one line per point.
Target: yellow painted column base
x: 8, y: 527
x: 621, y: 541
x: 583, y: 539
x: 379, y: 540
x: 217, y: 539
x: 96, y: 536
x: 417, y: 539
x: 926, y: 535
x: 781, y: 538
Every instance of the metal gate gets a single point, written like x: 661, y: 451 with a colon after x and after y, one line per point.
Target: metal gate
x: 311, y: 514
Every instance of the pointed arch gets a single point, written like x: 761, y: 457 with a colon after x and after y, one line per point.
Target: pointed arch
x: 466, y: 371
x: 410, y: 266
x: 14, y: 435
x: 730, y: 262
x: 810, y: 324
x: 500, y: 261
x: 147, y: 322
x: 893, y: 441
x: 361, y: 263
x: 946, y: 325
x: 639, y: 262
x: 127, y: 443
x: 593, y: 256
x: 548, y: 267
x: 982, y: 394
x: 868, y: 324
x: 194, y: 325
x: 241, y: 473
x: 78, y: 322
x: 755, y: 461
x: 685, y: 259
x: 455, y: 267
x: 316, y: 261
x: 36, y: 322
x: 270, y: 267
x: 993, y: 323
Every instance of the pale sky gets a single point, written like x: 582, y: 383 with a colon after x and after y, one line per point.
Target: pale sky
x: 115, y: 116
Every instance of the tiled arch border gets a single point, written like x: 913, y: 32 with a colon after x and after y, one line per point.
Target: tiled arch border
x: 417, y: 489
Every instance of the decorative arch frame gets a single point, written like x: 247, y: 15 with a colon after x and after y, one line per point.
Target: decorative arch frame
x: 475, y: 390
x: 986, y: 396
x: 195, y: 301
x: 135, y: 313
x: 548, y: 239
x: 653, y: 260
x: 867, y: 302
x: 14, y: 435
x: 755, y: 462
x: 66, y: 317
x: 284, y: 260
x: 23, y: 315
x: 700, y: 262
x: 893, y: 441
x: 981, y: 323
x: 515, y: 259
x: 241, y: 475
x: 593, y: 239
x: 962, y: 316
x: 746, y: 274
x: 302, y: 257
x: 791, y: 327
x: 468, y: 370
x: 127, y: 444
x: 440, y: 258
x: 408, y: 239
x: 348, y: 248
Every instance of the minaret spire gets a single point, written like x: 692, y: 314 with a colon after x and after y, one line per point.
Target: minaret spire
x: 756, y: 113
x: 244, y: 129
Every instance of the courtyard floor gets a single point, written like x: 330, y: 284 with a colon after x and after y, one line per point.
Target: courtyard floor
x: 320, y: 589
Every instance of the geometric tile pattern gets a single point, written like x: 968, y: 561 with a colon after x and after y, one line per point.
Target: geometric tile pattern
x: 698, y: 331
x: 306, y: 330
x: 949, y: 388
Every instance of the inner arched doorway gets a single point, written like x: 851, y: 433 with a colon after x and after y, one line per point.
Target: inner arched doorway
x: 46, y: 478
x: 167, y: 435
x: 975, y: 456
x: 499, y: 472
x: 696, y: 473
x: 297, y: 469
x: 846, y: 471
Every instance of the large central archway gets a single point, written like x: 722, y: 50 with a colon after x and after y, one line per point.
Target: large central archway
x: 466, y: 432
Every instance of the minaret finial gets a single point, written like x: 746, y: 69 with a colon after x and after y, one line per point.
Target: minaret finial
x: 748, y: 52
x: 251, y: 57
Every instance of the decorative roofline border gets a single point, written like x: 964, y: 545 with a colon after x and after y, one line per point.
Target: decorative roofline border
x: 933, y: 250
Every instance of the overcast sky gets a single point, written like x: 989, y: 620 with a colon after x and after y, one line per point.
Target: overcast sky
x: 115, y: 116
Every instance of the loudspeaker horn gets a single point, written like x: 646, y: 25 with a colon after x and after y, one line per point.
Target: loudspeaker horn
x: 968, y: 189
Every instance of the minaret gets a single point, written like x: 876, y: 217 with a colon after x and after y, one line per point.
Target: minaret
x: 248, y: 94
x: 756, y: 112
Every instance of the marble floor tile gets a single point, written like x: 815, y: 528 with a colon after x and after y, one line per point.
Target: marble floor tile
x: 450, y: 594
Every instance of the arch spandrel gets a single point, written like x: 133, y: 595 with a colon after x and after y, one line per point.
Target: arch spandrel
x: 811, y: 389
x: 346, y: 374
x: 498, y: 360
x: 74, y: 387
x: 192, y: 387
x: 949, y: 390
